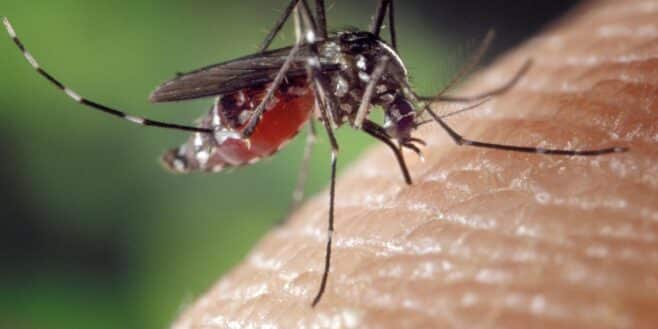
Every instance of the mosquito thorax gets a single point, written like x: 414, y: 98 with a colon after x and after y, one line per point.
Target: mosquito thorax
x: 359, y: 53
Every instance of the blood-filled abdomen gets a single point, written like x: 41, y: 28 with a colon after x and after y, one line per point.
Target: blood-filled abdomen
x: 289, y: 109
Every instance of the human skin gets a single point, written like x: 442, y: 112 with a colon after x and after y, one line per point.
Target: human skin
x: 487, y: 238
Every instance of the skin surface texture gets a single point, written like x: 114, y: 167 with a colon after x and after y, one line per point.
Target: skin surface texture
x: 485, y: 238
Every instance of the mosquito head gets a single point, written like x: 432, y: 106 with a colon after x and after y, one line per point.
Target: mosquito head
x: 400, y: 118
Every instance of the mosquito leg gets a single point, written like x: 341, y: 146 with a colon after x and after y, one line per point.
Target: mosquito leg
x: 307, y: 18
x: 465, y: 109
x: 378, y: 132
x: 258, y: 112
x: 303, y: 17
x: 279, y: 24
x: 455, y: 112
x: 299, y: 28
x: 330, y: 230
x: 378, y: 18
x: 321, y: 19
x: 327, y: 104
x: 459, y: 140
x: 367, y: 94
x: 249, y: 128
x: 327, y: 107
x: 310, y: 35
x: 467, y: 68
x: 391, y: 23
x: 89, y: 103
x: 494, y: 92
x: 332, y: 200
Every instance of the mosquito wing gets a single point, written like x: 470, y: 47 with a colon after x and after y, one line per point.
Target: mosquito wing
x: 227, y: 77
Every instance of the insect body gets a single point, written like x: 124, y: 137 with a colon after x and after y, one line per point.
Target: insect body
x: 348, y: 62
x: 264, y: 99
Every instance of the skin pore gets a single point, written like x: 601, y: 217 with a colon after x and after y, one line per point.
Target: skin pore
x: 485, y: 238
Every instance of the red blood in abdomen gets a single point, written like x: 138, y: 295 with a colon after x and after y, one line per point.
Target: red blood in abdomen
x: 293, y: 106
x: 278, y: 124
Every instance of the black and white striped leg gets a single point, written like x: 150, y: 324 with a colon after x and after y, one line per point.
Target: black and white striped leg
x: 279, y: 24
x: 364, y: 106
x: 332, y: 195
x: 459, y: 140
x: 89, y: 103
x: 330, y: 228
x: 327, y: 107
x: 379, y: 133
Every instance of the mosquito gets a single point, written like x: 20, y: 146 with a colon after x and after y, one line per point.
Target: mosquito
x: 263, y: 100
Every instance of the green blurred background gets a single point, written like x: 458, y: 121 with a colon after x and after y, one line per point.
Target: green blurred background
x: 95, y: 234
